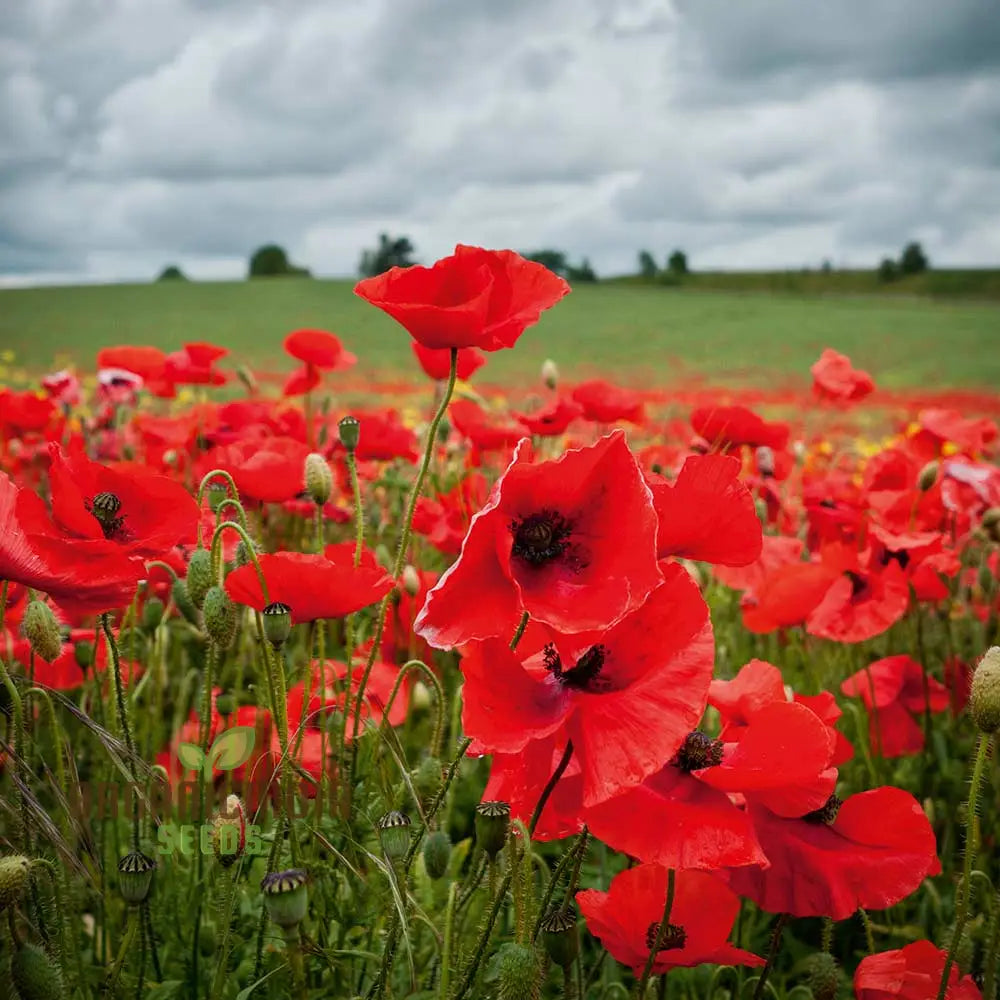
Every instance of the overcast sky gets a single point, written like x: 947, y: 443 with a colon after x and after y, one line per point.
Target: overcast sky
x: 752, y: 133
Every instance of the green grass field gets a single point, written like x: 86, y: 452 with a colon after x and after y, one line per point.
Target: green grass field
x: 637, y: 334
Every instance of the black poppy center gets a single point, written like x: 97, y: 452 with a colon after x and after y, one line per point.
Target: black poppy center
x: 674, y: 936
x: 859, y: 585
x: 698, y: 750
x: 584, y: 675
x: 827, y: 814
x: 540, y: 538
x: 106, y: 509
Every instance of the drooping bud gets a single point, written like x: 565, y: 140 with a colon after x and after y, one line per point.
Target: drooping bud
x: 437, y: 853
x: 822, y: 976
x: 42, y: 631
x: 383, y: 556
x: 427, y: 779
x: 319, y: 479
x: 927, y: 477
x: 411, y: 580
x: 219, y: 613
x: 199, y: 576
x: 152, y: 614
x: 35, y: 975
x: 518, y: 973
x: 394, y: 833
x: 277, y: 623
x: 229, y: 832
x: 560, y: 936
x: 83, y: 653
x: 984, y: 698
x: 135, y: 875
x: 182, y: 600
x: 226, y: 704
x: 492, y: 825
x: 286, y: 896
x: 13, y: 879
x: 215, y: 494
x: 550, y: 373
x: 349, y: 430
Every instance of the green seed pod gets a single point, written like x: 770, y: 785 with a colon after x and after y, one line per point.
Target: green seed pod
x: 560, y: 936
x: 152, y: 614
x: 394, y: 833
x: 437, y: 853
x: 319, y: 479
x: 984, y: 698
x: 928, y: 476
x: 286, y: 896
x: 83, y: 653
x: 822, y: 976
x: 492, y: 825
x: 13, y: 879
x: 219, y: 613
x: 135, y: 876
x: 42, y: 631
x: 277, y: 623
x: 183, y: 601
x: 35, y: 975
x: 518, y: 973
x: 350, y: 433
x: 199, y: 576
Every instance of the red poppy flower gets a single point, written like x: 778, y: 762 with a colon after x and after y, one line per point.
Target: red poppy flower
x: 270, y: 470
x: 875, y: 852
x: 62, y: 387
x: 776, y: 551
x: 319, y: 349
x: 627, y: 698
x: 835, y: 378
x: 971, y: 435
x: 146, y: 362
x: 898, y: 686
x: 204, y: 354
x: 551, y: 420
x: 912, y: 972
x: 787, y: 596
x: 303, y: 379
x: 484, y: 431
x: 25, y: 412
x: 605, y: 403
x: 182, y: 368
x: 474, y: 298
x: 313, y: 586
x: 731, y: 426
x: 626, y: 919
x: 437, y: 363
x: 707, y: 514
x: 445, y: 522
x: 549, y: 542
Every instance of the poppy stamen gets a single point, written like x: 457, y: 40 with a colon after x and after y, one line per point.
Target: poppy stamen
x: 584, y: 674
x: 540, y: 538
x: 827, y: 814
x: 698, y: 750
x: 674, y: 936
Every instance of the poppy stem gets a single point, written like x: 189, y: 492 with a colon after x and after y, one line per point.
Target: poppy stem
x: 772, y: 954
x: 968, y: 857
x: 550, y: 787
x: 660, y: 934
x: 521, y: 626
x: 234, y: 493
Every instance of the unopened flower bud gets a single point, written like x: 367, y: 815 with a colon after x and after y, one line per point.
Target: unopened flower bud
x: 991, y: 523
x: 437, y: 853
x: 492, y: 824
x: 243, y: 556
x: 427, y: 779
x: 822, y: 976
x: 219, y: 613
x: 411, y: 580
x: 135, y: 875
x: 35, y: 975
x: 286, y: 896
x: 199, y: 576
x: 550, y: 373
x: 319, y: 479
x: 560, y: 936
x: 247, y: 378
x: 765, y: 461
x: 42, y: 631
x: 518, y: 973
x: 226, y: 704
x: 182, y: 599
x: 83, y: 653
x: 394, y: 833
x: 13, y: 879
x: 277, y: 623
x: 383, y: 556
x: 215, y: 494
x: 928, y: 476
x: 349, y: 430
x: 984, y: 698
x: 229, y: 832
x: 152, y: 614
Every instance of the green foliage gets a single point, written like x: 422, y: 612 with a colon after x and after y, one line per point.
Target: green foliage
x: 677, y: 262
x: 171, y: 273
x: 554, y: 260
x: 913, y: 260
x: 647, y: 264
x: 582, y: 273
x: 392, y: 251
x: 271, y: 261
x: 888, y: 270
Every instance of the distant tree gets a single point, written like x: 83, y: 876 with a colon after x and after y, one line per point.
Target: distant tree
x: 172, y: 273
x: 647, y: 264
x: 582, y: 273
x: 391, y: 252
x: 554, y: 260
x: 888, y: 270
x: 267, y: 261
x: 827, y: 266
x: 677, y: 262
x: 913, y: 259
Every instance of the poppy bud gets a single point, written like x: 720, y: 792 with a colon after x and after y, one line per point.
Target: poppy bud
x: 965, y: 951
x: 560, y: 936
x: 182, y: 599
x: 383, y: 556
x: 760, y: 506
x: 550, y: 373
x: 132, y: 644
x: 152, y: 614
x: 394, y: 833
x: 984, y: 698
x: 437, y: 853
x: 822, y: 976
x: 991, y: 523
x: 219, y: 613
x: 135, y: 875
x: 226, y: 704
x: 518, y: 973
x: 215, y: 494
x: 492, y: 824
x: 42, y: 631
x: 13, y: 879
x: 411, y: 580
x: 427, y: 778
x: 765, y: 461
x: 199, y: 576
x: 247, y: 378
x: 319, y: 479
x: 277, y: 623
x: 349, y: 430
x: 927, y: 477
x: 35, y: 975
x: 229, y: 832
x: 286, y: 896
x: 83, y: 653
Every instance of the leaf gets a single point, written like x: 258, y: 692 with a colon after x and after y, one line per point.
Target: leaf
x: 190, y: 755
x: 244, y: 994
x: 232, y: 748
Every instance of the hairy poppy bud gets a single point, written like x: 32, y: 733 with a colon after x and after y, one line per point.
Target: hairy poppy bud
x: 492, y: 824
x: 135, y: 875
x: 181, y: 597
x: 215, y: 494
x: 277, y: 623
x: 518, y: 973
x: 411, y: 580
x: 226, y: 704
x: 83, y: 653
x: 319, y: 479
x: 219, y: 613
x: 928, y: 476
x: 243, y: 553
x: 394, y: 833
x: 349, y: 430
x: 991, y: 523
x: 42, y: 631
x: 427, y: 778
x: 560, y: 936
x: 550, y: 373
x: 984, y: 698
x: 35, y: 975
x: 229, y: 832
x: 437, y: 853
x: 152, y: 614
x: 13, y: 879
x: 822, y: 976
x: 286, y: 896
x: 199, y: 576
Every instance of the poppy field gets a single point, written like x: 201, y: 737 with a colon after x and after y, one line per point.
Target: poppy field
x: 571, y: 689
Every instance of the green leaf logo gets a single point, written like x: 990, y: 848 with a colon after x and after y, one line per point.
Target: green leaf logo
x: 190, y: 755
x: 231, y: 748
